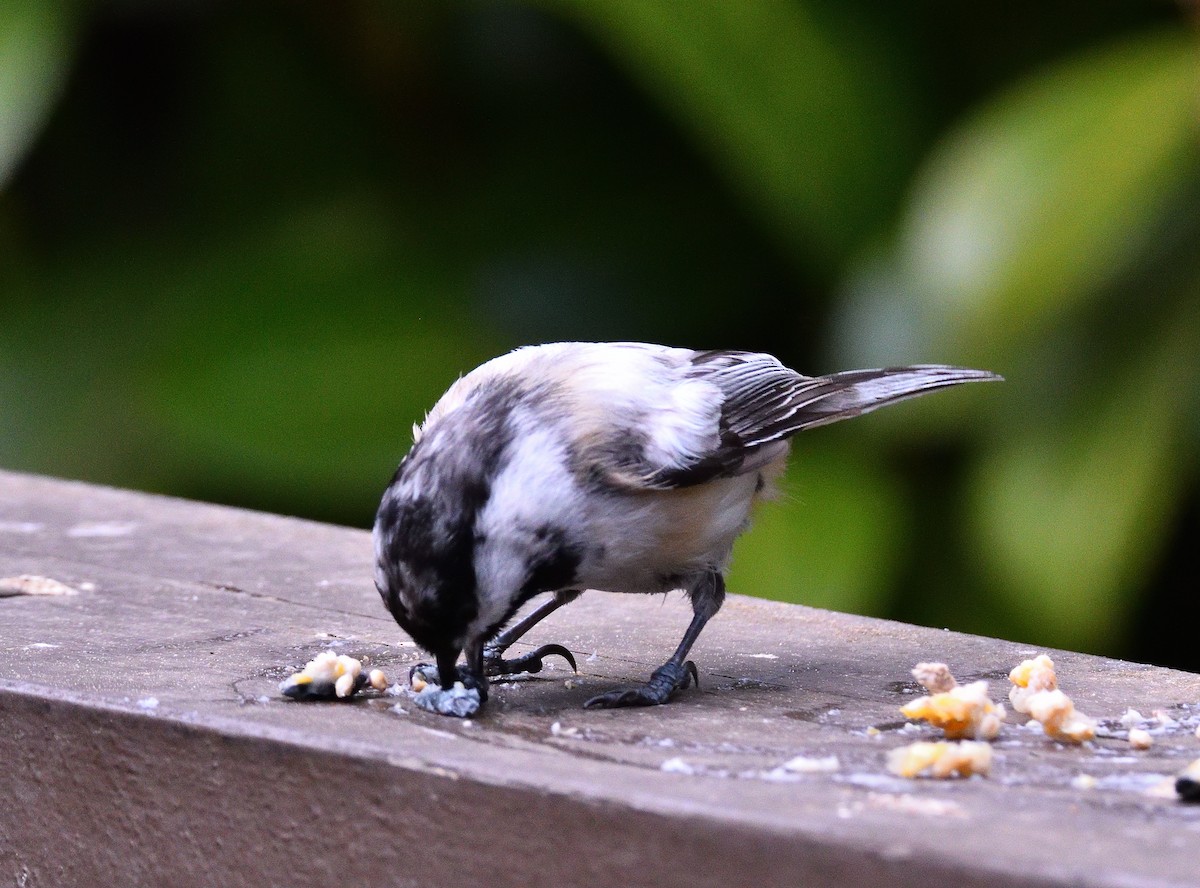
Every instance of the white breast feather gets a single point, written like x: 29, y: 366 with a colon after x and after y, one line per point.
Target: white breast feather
x: 535, y: 489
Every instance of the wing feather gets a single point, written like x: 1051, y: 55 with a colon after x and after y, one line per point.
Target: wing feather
x: 765, y: 402
x: 642, y: 416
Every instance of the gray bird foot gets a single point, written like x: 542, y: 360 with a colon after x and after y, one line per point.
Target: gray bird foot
x: 666, y: 680
x: 430, y: 675
x: 494, y: 665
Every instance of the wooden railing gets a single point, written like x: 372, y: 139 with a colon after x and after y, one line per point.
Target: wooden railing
x: 144, y: 740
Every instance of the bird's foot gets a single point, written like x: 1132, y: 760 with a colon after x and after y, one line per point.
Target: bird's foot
x: 495, y: 664
x: 666, y: 680
x: 427, y: 674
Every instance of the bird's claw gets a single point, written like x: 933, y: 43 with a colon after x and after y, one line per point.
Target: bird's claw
x: 530, y: 662
x: 494, y: 664
x: 665, y: 681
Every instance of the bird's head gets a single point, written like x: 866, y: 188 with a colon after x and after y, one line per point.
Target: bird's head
x: 424, y: 561
x: 432, y: 598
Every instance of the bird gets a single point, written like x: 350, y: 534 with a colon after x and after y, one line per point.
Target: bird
x: 615, y: 466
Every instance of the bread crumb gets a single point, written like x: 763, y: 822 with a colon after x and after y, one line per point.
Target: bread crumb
x: 941, y: 759
x: 1131, y: 718
x: 329, y: 676
x: 803, y: 764
x: 1035, y: 692
x: 1059, y: 717
x: 1139, y: 738
x: 934, y: 677
x: 1164, y: 719
x: 1029, y: 678
x: 29, y: 584
x: 1084, y: 781
x: 964, y: 711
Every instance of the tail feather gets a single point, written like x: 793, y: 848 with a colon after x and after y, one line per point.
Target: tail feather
x: 852, y: 393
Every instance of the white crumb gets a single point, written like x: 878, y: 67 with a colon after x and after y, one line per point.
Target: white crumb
x: 676, y: 766
x: 1130, y: 718
x: 812, y: 764
x: 1139, y: 738
x: 30, y: 584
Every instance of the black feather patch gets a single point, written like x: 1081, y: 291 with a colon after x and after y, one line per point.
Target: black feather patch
x: 555, y: 563
x: 426, y: 519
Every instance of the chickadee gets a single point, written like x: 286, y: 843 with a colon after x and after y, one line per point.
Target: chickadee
x: 624, y: 467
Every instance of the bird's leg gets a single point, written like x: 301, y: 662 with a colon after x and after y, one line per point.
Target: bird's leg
x: 487, y: 660
x: 493, y: 659
x: 678, y: 672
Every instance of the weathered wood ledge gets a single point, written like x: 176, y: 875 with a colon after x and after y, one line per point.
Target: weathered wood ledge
x: 144, y: 741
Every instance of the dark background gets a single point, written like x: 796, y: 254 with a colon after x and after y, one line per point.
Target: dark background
x: 244, y: 246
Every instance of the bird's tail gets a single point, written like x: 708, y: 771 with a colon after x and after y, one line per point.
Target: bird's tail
x: 839, y: 396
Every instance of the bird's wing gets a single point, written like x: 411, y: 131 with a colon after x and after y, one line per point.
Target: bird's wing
x: 762, y: 403
x: 749, y: 394
x: 648, y: 417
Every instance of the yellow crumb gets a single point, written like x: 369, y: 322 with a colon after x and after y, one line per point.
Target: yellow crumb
x: 1035, y: 692
x: 942, y: 759
x: 965, y: 711
x: 1029, y: 678
x: 1059, y: 717
x: 1139, y: 738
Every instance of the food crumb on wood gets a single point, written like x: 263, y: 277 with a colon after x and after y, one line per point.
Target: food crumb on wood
x: 677, y: 766
x: 330, y: 676
x: 961, y: 711
x: 941, y: 759
x: 804, y: 764
x: 1130, y: 718
x: 934, y: 677
x: 1139, y: 738
x: 1035, y: 692
x: 1030, y: 677
x: 31, y: 584
x: 377, y: 679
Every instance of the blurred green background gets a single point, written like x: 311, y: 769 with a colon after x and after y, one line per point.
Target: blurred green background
x: 243, y: 246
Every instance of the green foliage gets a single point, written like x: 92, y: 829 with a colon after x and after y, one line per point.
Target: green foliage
x: 1022, y: 224
x: 35, y: 38
x: 802, y: 122
x: 1031, y: 204
x: 243, y: 248
x: 833, y: 536
x: 1071, y: 513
